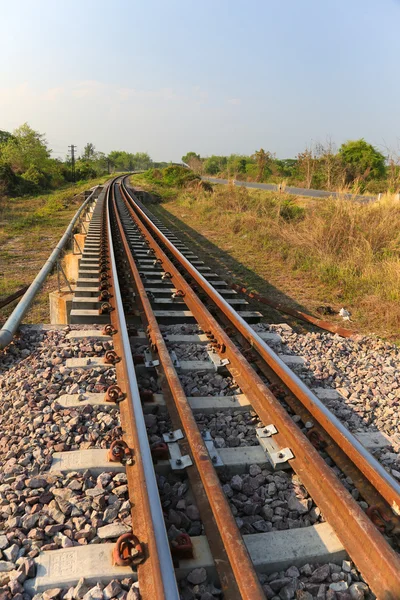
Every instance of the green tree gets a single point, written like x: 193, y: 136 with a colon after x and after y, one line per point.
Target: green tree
x: 236, y: 164
x: 142, y: 161
x: 361, y: 161
x: 211, y: 166
x: 8, y: 180
x: 286, y: 167
x: 89, y: 152
x: 215, y: 164
x: 4, y: 136
x: 190, y: 156
x: 262, y: 159
x: 36, y: 178
x: 24, y: 149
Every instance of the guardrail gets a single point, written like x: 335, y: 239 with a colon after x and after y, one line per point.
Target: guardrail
x: 10, y: 327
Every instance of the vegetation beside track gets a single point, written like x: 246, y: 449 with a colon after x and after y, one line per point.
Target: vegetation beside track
x: 304, y: 252
x: 30, y: 227
x: 355, y: 167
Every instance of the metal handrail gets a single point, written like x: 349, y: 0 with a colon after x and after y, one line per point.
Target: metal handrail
x: 10, y: 327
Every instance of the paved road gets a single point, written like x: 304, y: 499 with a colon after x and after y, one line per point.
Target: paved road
x: 293, y: 190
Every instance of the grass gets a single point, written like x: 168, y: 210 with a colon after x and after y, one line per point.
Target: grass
x: 30, y: 227
x: 306, y: 252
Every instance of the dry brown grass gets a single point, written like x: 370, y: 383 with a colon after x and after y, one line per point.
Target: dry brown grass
x: 345, y: 253
x: 30, y: 227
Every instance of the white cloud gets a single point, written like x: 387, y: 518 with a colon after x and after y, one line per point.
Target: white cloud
x: 235, y: 101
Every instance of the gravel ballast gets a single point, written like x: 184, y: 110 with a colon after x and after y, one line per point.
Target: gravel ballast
x: 365, y: 372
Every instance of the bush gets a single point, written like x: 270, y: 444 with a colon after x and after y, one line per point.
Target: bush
x: 153, y: 176
x: 9, y: 181
x: 291, y: 211
x: 172, y: 176
x: 36, y: 178
x: 178, y: 176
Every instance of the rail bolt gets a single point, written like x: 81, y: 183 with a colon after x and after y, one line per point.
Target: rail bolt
x: 181, y: 546
x: 104, y: 276
x: 166, y: 275
x: 111, y: 357
x: 159, y: 451
x: 114, y: 394
x: 119, y: 451
x: 106, y: 308
x: 127, y: 551
x: 109, y: 330
x: 104, y: 295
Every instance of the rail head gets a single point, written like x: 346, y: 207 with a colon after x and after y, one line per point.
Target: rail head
x: 160, y: 576
x: 376, y: 559
x: 365, y: 462
x: 237, y: 569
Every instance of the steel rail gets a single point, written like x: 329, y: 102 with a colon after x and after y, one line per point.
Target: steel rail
x: 156, y: 574
x: 240, y: 561
x: 377, y: 561
x: 384, y: 483
x: 10, y: 327
x: 322, y: 440
x: 283, y: 308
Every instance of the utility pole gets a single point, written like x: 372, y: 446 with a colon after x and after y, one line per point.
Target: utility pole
x: 73, y: 148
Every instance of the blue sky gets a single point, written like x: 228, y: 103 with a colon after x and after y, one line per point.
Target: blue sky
x: 216, y: 76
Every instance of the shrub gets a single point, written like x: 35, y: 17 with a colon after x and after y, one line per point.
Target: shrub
x: 172, y: 176
x: 289, y: 211
x: 8, y: 179
x: 36, y: 178
x: 178, y: 176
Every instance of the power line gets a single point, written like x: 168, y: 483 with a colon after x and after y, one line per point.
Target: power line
x: 73, y: 148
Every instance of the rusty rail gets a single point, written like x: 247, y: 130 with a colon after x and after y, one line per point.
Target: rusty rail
x: 245, y: 576
x: 283, y: 308
x: 367, y: 464
x: 377, y: 561
x: 156, y: 574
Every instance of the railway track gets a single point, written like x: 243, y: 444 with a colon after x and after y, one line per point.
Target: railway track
x: 223, y: 493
